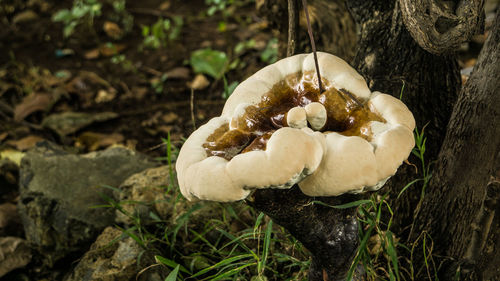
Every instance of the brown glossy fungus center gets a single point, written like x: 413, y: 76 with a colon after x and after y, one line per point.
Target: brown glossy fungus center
x: 254, y: 128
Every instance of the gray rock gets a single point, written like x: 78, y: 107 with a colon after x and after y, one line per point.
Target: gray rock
x: 145, y: 193
x: 114, y: 257
x: 14, y: 253
x: 59, y: 192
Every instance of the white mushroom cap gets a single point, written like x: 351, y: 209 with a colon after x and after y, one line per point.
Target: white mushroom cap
x: 352, y: 164
x: 349, y: 164
x: 316, y: 115
x: 205, y: 177
x: 322, y: 163
x: 291, y: 154
x: 296, y: 117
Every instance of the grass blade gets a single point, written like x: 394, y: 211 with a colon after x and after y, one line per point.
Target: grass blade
x: 237, y: 240
x: 344, y: 206
x: 407, y: 186
x: 221, y: 263
x: 265, y: 252
x: 171, y: 263
x: 391, y: 250
x: 232, y: 271
x: 173, y: 275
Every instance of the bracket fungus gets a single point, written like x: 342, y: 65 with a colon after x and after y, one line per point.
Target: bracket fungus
x: 277, y: 130
x: 292, y: 144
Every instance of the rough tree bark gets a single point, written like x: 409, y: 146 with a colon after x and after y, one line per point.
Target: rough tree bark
x: 334, y: 28
x: 388, y: 58
x: 459, y: 207
x: 330, y: 235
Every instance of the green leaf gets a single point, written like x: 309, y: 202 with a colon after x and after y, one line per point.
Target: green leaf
x: 230, y: 89
x: 80, y: 11
x: 173, y: 275
x: 210, y: 62
x: 62, y: 15
x: 69, y: 29
x: 145, y: 30
x: 270, y: 53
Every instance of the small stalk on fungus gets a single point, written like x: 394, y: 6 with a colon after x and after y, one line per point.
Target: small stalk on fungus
x: 296, y: 117
x: 316, y: 115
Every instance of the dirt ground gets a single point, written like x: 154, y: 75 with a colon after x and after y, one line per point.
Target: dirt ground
x: 43, y: 73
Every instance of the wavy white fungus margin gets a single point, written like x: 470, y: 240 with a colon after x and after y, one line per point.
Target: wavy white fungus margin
x: 352, y: 164
x: 324, y: 164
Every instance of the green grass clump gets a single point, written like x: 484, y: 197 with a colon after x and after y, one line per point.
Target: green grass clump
x: 231, y: 241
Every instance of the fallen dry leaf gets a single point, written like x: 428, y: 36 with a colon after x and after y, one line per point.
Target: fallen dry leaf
x: 93, y: 141
x: 164, y: 6
x: 109, y: 50
x: 178, y: 73
x: 165, y: 129
x: 91, y: 54
x: 199, y: 82
x: 464, y: 79
x: 152, y: 120
x: 24, y: 16
x: 32, y: 103
x: 136, y: 93
x: 112, y: 30
x: 131, y: 144
x: 105, y: 96
x: 470, y: 62
x: 25, y: 143
x: 169, y: 117
x: 3, y: 136
x: 14, y: 253
x: 86, y: 84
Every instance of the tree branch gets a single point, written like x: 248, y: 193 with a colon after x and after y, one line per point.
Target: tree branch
x: 293, y: 24
x: 441, y: 26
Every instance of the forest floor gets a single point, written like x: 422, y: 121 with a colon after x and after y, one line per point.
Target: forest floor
x: 108, y: 65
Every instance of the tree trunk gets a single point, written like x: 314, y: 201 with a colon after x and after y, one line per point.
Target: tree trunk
x: 330, y: 234
x: 393, y: 63
x: 459, y: 207
x: 334, y: 28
